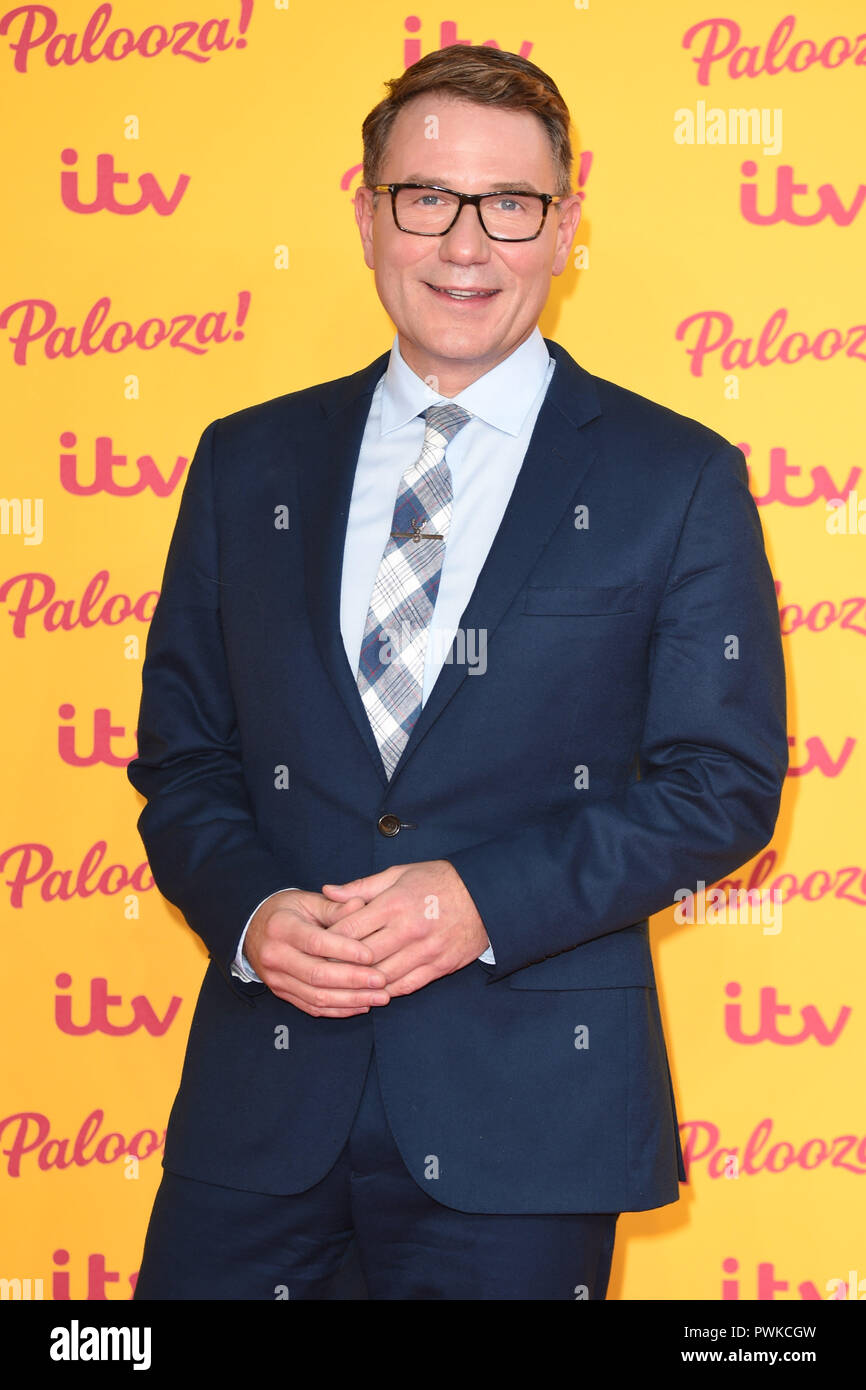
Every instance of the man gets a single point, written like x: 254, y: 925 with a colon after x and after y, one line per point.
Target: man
x: 422, y: 851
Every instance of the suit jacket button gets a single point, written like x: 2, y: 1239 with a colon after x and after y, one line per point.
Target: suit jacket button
x: 389, y: 825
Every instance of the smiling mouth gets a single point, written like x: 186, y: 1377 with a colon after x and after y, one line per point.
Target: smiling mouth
x: 461, y: 294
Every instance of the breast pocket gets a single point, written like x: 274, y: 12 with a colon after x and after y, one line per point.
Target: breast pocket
x: 584, y: 599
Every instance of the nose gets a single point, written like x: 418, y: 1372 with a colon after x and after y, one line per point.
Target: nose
x: 466, y: 240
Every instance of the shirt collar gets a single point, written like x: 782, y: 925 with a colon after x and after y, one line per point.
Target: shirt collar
x: 502, y: 397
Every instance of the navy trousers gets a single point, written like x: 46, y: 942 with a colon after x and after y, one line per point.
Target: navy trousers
x: 369, y: 1215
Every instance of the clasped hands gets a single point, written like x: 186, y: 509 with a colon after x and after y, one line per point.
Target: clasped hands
x: 356, y: 945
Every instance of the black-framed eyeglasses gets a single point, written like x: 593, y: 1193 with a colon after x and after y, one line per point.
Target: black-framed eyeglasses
x: 428, y: 210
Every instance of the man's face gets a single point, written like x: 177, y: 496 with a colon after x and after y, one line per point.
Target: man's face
x: 478, y: 149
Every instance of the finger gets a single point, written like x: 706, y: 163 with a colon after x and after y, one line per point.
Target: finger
x: 313, y: 940
x: 326, y: 974
x: 365, y: 888
x: 319, y: 997
x: 364, y: 921
x: 319, y: 972
x: 330, y: 912
x: 336, y: 910
x: 411, y: 980
x: 299, y: 1003
x: 408, y: 957
x: 324, y: 992
x: 390, y: 938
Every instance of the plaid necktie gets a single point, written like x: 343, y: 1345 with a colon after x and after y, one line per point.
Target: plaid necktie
x: 394, y: 647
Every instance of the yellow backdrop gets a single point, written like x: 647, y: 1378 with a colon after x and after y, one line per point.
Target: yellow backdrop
x: 180, y: 243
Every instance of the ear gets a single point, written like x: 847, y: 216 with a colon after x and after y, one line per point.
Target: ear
x: 569, y: 218
x: 364, y: 218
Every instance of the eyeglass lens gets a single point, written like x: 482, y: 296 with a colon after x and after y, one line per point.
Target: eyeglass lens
x: 510, y: 215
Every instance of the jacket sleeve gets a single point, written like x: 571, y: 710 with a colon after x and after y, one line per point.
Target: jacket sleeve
x: 712, y: 758
x: 198, y: 828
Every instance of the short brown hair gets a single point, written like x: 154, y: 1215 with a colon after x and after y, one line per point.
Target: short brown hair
x: 487, y: 76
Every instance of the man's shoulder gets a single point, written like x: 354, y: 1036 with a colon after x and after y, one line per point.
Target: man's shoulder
x: 657, y: 424
x: 306, y: 406
x: 630, y: 420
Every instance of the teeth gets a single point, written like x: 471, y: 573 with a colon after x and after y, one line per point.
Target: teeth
x: 468, y: 294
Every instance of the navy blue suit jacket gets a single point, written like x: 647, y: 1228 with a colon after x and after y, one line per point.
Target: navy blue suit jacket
x: 606, y: 649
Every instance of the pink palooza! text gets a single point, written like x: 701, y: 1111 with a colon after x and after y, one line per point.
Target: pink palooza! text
x: 34, y: 29
x: 36, y: 322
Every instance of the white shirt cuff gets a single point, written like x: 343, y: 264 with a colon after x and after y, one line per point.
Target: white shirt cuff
x: 241, y: 968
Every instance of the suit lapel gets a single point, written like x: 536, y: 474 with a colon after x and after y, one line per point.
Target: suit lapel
x: 326, y: 491
x: 556, y: 462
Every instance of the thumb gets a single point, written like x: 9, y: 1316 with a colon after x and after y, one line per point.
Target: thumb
x: 366, y: 888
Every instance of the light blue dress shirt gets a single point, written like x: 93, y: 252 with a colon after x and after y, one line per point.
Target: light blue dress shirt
x: 485, y: 457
